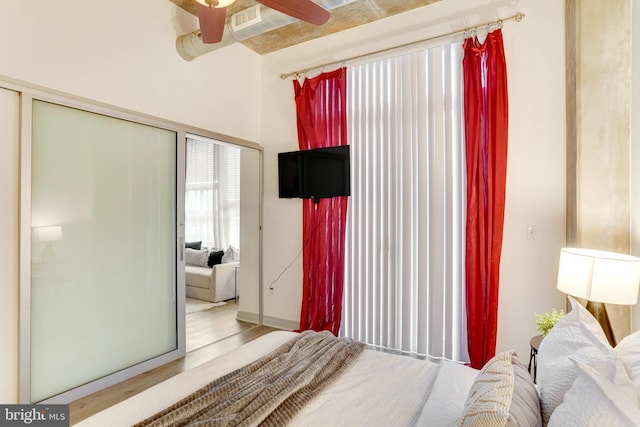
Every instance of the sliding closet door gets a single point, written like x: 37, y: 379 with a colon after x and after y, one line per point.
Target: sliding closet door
x: 9, y: 244
x: 103, y: 247
x: 249, y: 275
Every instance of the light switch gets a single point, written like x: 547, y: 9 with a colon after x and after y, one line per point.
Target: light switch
x: 532, y: 232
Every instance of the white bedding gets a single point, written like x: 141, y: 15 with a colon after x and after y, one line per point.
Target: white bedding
x: 379, y: 389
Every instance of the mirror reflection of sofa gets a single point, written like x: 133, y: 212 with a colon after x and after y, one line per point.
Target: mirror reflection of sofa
x: 210, y: 274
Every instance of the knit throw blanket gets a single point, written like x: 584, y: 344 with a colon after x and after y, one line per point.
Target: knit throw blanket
x: 269, y: 391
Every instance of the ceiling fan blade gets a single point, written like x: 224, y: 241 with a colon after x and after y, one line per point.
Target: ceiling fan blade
x: 212, y: 21
x: 304, y: 10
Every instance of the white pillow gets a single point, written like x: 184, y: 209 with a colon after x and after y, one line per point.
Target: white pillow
x: 448, y: 395
x: 230, y: 255
x: 628, y: 351
x: 196, y: 257
x: 595, y: 401
x: 579, y: 335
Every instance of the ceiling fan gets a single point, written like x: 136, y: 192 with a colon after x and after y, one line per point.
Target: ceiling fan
x: 212, y: 14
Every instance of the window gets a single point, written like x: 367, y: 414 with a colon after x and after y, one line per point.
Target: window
x: 404, y: 278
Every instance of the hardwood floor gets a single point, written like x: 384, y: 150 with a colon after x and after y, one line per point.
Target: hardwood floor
x: 204, y: 342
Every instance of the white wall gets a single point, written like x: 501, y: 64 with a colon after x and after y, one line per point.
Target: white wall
x: 536, y: 168
x: 124, y: 54
x: 536, y: 172
x: 121, y: 53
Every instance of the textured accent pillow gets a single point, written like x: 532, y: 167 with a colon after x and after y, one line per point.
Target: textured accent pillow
x: 196, y: 257
x: 593, y: 400
x: 194, y: 245
x: 503, y: 394
x: 578, y: 335
x: 215, y: 257
x: 525, y: 405
x: 628, y: 351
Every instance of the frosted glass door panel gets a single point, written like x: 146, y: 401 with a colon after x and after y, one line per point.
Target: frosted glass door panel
x: 103, y: 281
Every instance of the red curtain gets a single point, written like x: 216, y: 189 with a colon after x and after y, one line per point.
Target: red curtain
x: 486, y: 123
x: 322, y: 122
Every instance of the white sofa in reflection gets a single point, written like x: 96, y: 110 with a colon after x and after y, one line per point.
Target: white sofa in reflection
x: 212, y: 284
x: 216, y: 283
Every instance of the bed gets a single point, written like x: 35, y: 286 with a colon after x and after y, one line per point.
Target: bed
x: 581, y: 382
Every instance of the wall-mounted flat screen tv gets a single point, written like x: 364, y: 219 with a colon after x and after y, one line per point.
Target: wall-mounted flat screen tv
x: 316, y: 173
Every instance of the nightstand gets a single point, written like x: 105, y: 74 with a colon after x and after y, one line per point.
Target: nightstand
x: 534, y: 343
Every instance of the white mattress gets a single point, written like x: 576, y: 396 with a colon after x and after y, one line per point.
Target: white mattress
x: 379, y: 389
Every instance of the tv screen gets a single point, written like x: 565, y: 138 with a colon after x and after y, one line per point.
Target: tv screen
x: 316, y: 173
x: 289, y: 174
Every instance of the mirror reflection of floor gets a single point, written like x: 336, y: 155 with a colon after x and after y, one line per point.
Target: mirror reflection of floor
x: 213, y: 324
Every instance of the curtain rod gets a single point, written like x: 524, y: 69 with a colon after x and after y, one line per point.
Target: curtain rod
x: 517, y: 18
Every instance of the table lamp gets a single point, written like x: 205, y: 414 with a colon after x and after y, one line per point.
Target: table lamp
x: 599, y: 277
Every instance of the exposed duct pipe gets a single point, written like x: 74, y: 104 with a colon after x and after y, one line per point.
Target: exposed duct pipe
x: 247, y: 23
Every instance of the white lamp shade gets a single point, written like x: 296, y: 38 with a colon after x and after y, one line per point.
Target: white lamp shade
x: 599, y: 276
x: 221, y: 3
x: 51, y: 233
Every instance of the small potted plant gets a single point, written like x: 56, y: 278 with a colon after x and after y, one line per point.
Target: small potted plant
x: 546, y: 321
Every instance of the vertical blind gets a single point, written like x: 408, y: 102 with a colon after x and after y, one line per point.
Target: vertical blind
x: 404, y: 279
x: 212, y: 193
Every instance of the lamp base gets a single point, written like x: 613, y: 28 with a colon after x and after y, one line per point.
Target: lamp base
x: 48, y: 255
x: 599, y: 311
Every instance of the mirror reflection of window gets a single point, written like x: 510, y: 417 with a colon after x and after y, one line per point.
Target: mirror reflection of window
x: 212, y: 196
x: 212, y: 223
